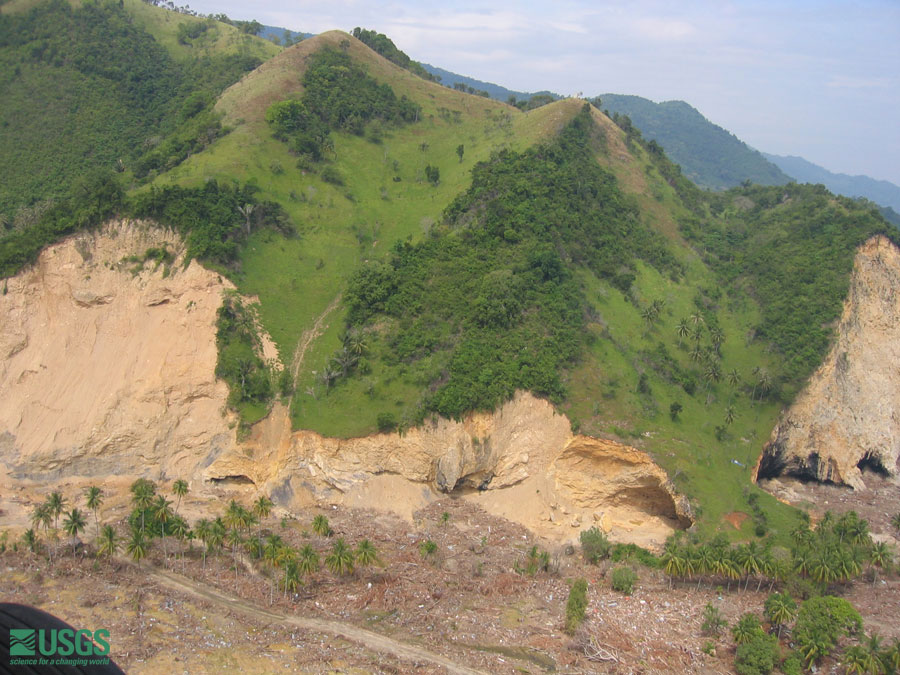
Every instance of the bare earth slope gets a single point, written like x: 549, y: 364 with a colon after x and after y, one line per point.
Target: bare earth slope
x: 848, y: 416
x: 107, y: 366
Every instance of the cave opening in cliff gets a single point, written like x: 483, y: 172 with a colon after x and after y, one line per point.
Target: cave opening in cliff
x: 870, y: 462
x: 233, y: 480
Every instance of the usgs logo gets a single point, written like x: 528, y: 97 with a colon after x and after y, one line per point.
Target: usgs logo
x: 58, y: 642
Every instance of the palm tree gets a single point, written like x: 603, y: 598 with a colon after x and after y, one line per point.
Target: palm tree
x: 746, y: 627
x: 56, y: 503
x: 780, y: 610
x: 673, y: 561
x: 697, y: 334
x: 696, y: 353
x: 202, y: 528
x: 138, y: 546
x: 366, y: 554
x: 682, y: 330
x: 729, y: 415
x: 180, y: 531
x: 94, y: 498
x: 880, y: 557
x: 291, y: 577
x: 162, y: 511
x: 717, y: 337
x: 340, y: 559
x: 856, y: 660
x: 180, y: 490
x: 42, y: 515
x: 307, y: 560
x: 234, y: 539
x: 73, y: 524
x: 355, y: 341
x: 246, y: 210
x: 142, y: 493
x: 107, y: 542
x: 262, y: 507
x: 697, y: 319
x: 321, y: 527
x: 733, y: 378
x: 29, y: 539
x: 895, y: 521
x: 271, y: 552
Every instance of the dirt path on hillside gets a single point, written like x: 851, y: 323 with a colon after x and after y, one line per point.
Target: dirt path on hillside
x: 307, y: 338
x: 367, y: 638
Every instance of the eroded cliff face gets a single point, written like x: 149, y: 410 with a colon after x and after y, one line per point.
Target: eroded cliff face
x: 521, y: 462
x: 848, y: 416
x: 107, y: 366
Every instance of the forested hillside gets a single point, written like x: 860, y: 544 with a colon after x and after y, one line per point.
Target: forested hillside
x: 87, y: 88
x: 709, y: 155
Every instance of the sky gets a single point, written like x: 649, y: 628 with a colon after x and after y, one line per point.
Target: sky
x: 814, y: 78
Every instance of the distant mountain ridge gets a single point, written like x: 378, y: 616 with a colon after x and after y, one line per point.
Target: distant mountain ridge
x: 709, y: 155
x: 494, y: 90
x: 879, y: 191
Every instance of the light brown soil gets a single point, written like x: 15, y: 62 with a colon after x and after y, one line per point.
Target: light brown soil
x: 465, y: 610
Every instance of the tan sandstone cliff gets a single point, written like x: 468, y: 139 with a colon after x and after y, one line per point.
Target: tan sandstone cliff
x: 107, y: 366
x: 849, y: 412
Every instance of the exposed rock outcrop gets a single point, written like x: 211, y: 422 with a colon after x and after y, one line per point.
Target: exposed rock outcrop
x: 848, y: 416
x: 521, y: 462
x: 107, y: 364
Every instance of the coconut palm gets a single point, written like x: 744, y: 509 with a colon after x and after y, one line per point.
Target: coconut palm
x: 162, y: 512
x: 202, y: 529
x: 366, y: 554
x: 142, y: 493
x: 107, y: 542
x: 180, y: 490
x: 856, y: 660
x: 56, y: 503
x: 746, y: 627
x: 780, y: 610
x: 340, y: 559
x: 321, y: 527
x: 235, y: 540
x: 29, y: 539
x: 262, y: 507
x: 697, y: 319
x: 271, y: 557
x: 73, y: 525
x: 180, y: 531
x: 729, y: 415
x: 682, y: 331
x: 93, y: 497
x: 733, y: 378
x: 717, y: 337
x: 137, y: 546
x: 880, y: 557
x: 307, y: 560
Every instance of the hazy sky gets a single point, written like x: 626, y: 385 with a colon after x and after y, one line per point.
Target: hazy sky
x: 815, y: 78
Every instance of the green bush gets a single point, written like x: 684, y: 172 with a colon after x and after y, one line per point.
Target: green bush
x: 713, y: 621
x: 820, y: 623
x: 386, y: 422
x: 576, y: 606
x: 594, y: 545
x: 757, y: 656
x: 623, y: 580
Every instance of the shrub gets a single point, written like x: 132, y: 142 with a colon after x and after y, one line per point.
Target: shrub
x: 576, y: 605
x: 594, y: 545
x: 386, y: 422
x: 332, y: 175
x: 820, y: 622
x: 758, y: 655
x: 713, y: 621
x: 746, y: 628
x: 623, y: 579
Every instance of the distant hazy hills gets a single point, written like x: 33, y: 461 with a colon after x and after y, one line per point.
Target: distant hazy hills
x: 878, y: 191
